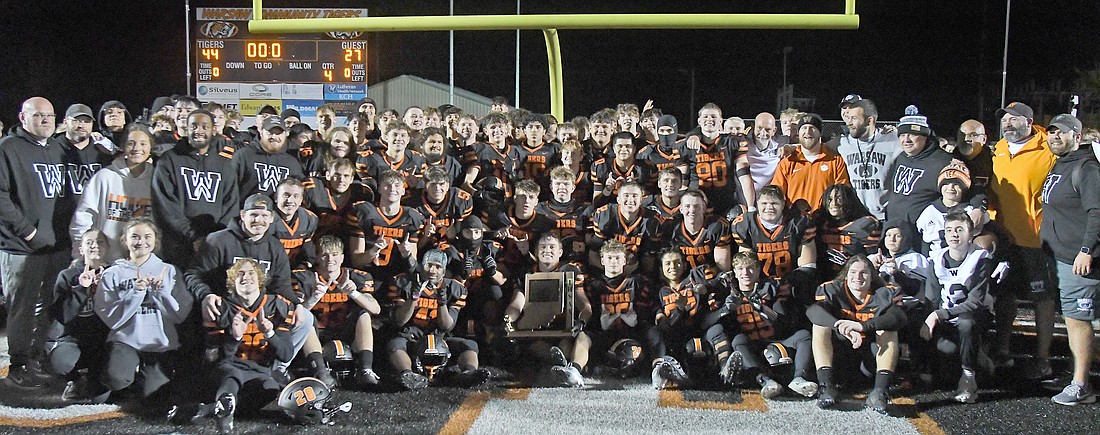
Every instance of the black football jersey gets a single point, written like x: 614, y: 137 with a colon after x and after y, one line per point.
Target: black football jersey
x: 715, y: 171
x: 455, y: 207
x: 296, y: 234
x: 662, y: 212
x: 747, y: 309
x: 253, y: 346
x: 534, y: 163
x: 640, y: 236
x: 372, y: 224
x: 835, y: 298
x: 448, y: 294
x: 412, y: 164
x: 333, y: 215
x: 503, y: 164
x: 626, y: 296
x: 639, y: 171
x: 778, y: 249
x: 698, y: 248
x: 335, y: 311
x: 569, y: 224
x: 836, y: 244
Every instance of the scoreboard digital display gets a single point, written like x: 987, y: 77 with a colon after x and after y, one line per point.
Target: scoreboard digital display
x: 243, y: 71
x: 287, y: 61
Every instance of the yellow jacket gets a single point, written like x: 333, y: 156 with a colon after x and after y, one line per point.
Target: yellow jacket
x: 1017, y: 187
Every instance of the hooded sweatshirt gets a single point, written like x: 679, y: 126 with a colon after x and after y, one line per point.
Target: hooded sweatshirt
x: 143, y: 319
x: 259, y: 171
x: 910, y: 267
x: 913, y: 182
x: 195, y: 194
x: 112, y: 197
x: 1071, y: 207
x: 224, y: 247
x: 33, y: 195
x: 117, y: 137
x: 868, y: 162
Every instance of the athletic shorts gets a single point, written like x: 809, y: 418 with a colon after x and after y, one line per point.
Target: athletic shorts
x: 1031, y: 274
x: 1079, y: 294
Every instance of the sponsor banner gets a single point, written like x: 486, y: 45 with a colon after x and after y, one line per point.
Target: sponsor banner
x: 250, y: 107
x: 342, y: 107
x: 307, y: 108
x: 227, y: 104
x: 218, y: 91
x: 261, y: 91
x: 245, y: 14
x: 345, y: 91
x: 303, y: 92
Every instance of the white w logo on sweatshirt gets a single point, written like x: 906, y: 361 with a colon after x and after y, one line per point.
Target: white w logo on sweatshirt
x: 52, y: 179
x: 200, y: 185
x: 269, y: 176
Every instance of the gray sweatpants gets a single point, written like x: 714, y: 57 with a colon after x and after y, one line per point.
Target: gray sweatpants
x: 28, y: 282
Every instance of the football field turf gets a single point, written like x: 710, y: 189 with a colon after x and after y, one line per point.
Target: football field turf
x: 610, y: 406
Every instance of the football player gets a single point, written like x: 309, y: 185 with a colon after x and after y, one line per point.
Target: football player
x: 625, y: 304
x: 343, y: 304
x: 295, y: 225
x: 684, y: 303
x: 396, y: 157
x: 703, y: 239
x: 570, y: 356
x: 721, y: 162
x: 759, y: 314
x: 473, y: 263
x: 667, y: 152
x: 496, y: 158
x: 332, y: 198
x: 609, y: 174
x: 442, y: 207
x: 252, y: 331
x: 844, y: 228
x: 516, y: 226
x: 856, y: 315
x: 427, y: 303
x: 572, y: 157
x: 437, y: 156
x: 629, y: 224
x: 384, y: 243
x: 535, y: 154
x: 956, y: 290
x: 782, y: 239
x: 666, y: 203
x: 568, y: 214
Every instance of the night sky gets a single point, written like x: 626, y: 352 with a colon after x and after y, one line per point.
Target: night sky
x: 944, y: 56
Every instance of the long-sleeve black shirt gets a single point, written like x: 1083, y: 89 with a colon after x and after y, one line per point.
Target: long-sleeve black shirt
x: 1071, y: 206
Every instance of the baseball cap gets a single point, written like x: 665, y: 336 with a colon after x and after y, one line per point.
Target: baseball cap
x: 79, y: 110
x: 849, y: 100
x: 1065, y: 122
x: 258, y: 201
x: 267, y: 109
x: 290, y: 112
x: 272, y: 122
x: 1016, y: 108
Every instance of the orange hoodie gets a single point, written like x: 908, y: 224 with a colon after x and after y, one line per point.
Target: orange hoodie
x: 1018, y: 184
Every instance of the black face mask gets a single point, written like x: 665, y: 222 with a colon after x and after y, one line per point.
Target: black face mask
x: 666, y: 140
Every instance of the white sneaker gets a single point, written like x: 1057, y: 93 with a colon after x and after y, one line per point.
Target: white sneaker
x: 657, y: 378
x: 1074, y: 394
x: 771, y: 389
x: 801, y: 386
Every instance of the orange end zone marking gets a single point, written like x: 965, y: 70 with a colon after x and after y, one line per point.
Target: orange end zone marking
x: 924, y: 424
x: 30, y: 422
x: 464, y: 417
x: 675, y: 399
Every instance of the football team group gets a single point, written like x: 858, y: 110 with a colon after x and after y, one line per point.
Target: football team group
x: 138, y: 254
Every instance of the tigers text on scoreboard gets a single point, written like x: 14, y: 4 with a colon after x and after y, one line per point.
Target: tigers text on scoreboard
x: 245, y: 71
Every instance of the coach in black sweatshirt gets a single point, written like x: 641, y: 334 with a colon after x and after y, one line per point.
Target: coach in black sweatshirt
x: 194, y: 189
x: 262, y: 165
x: 247, y: 237
x: 913, y: 181
x: 1071, y: 233
x: 34, y: 241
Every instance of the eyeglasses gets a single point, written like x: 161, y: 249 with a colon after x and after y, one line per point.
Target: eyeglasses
x: 973, y: 135
x: 43, y: 115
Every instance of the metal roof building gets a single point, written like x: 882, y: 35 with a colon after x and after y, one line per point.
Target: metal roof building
x: 407, y: 90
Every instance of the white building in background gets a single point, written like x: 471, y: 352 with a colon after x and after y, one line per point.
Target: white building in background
x: 403, y: 91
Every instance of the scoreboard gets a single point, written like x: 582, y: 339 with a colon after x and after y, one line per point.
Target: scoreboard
x: 244, y: 72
